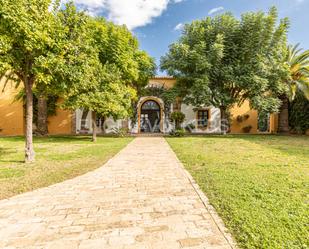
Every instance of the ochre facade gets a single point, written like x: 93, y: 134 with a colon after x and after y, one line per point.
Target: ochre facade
x: 12, y: 120
x: 64, y: 122
x: 252, y: 120
x: 61, y: 123
x: 11, y: 111
x: 166, y: 82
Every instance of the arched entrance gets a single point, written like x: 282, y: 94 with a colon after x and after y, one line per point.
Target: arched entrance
x: 150, y: 116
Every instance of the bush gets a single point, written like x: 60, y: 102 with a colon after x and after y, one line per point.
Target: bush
x: 178, y: 117
x: 177, y: 133
x: 299, y: 114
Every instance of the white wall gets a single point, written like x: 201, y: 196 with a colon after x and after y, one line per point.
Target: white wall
x: 168, y: 126
x: 78, y: 114
x: 133, y: 128
x: 213, y: 122
x: 110, y: 123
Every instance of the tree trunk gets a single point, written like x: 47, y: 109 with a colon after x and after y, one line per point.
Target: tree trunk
x: 29, y: 152
x: 94, y: 127
x: 224, y: 121
x: 177, y: 125
x: 42, y: 128
x: 283, y: 126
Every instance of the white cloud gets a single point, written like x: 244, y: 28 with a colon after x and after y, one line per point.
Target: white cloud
x: 179, y: 26
x: 92, y: 6
x: 215, y: 10
x: 133, y: 13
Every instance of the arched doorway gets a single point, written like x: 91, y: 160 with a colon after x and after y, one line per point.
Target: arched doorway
x: 150, y: 116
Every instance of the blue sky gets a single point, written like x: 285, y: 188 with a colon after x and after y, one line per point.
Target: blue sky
x: 157, y: 23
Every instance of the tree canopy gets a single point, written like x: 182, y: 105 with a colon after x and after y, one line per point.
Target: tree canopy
x: 121, y: 68
x: 29, y: 40
x: 57, y: 49
x: 223, y: 61
x: 107, y: 94
x: 116, y: 45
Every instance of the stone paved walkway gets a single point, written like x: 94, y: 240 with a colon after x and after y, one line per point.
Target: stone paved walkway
x: 142, y: 199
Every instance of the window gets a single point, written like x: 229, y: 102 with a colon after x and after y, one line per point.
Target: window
x: 150, y: 105
x: 202, y: 118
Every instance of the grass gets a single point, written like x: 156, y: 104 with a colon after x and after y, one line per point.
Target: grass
x: 259, y: 185
x: 57, y: 159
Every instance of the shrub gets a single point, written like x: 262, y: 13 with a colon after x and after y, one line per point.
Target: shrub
x: 178, y: 117
x: 177, y: 133
x: 299, y: 114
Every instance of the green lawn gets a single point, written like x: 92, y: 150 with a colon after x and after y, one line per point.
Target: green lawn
x: 57, y: 159
x: 258, y: 184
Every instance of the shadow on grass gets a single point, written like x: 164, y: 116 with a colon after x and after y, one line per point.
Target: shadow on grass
x: 12, y: 161
x: 62, y: 139
x: 54, y: 139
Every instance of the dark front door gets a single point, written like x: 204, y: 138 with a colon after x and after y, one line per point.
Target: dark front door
x: 150, y: 117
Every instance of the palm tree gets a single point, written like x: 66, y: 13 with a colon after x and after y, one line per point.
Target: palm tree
x: 298, y: 62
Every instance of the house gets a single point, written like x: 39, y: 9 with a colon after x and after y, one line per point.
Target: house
x: 152, y: 115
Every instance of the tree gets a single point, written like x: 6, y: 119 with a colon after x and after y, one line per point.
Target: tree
x: 40, y: 113
x: 24, y: 38
x: 146, y: 69
x: 74, y: 60
x: 120, y: 68
x: 42, y: 125
x: 298, y: 63
x: 223, y: 61
x: 38, y: 49
x: 178, y: 117
x: 107, y: 96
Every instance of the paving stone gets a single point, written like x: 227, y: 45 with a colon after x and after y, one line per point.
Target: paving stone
x: 62, y: 244
x: 156, y: 229
x: 121, y: 240
x: 93, y: 244
x: 190, y: 242
x: 140, y: 199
